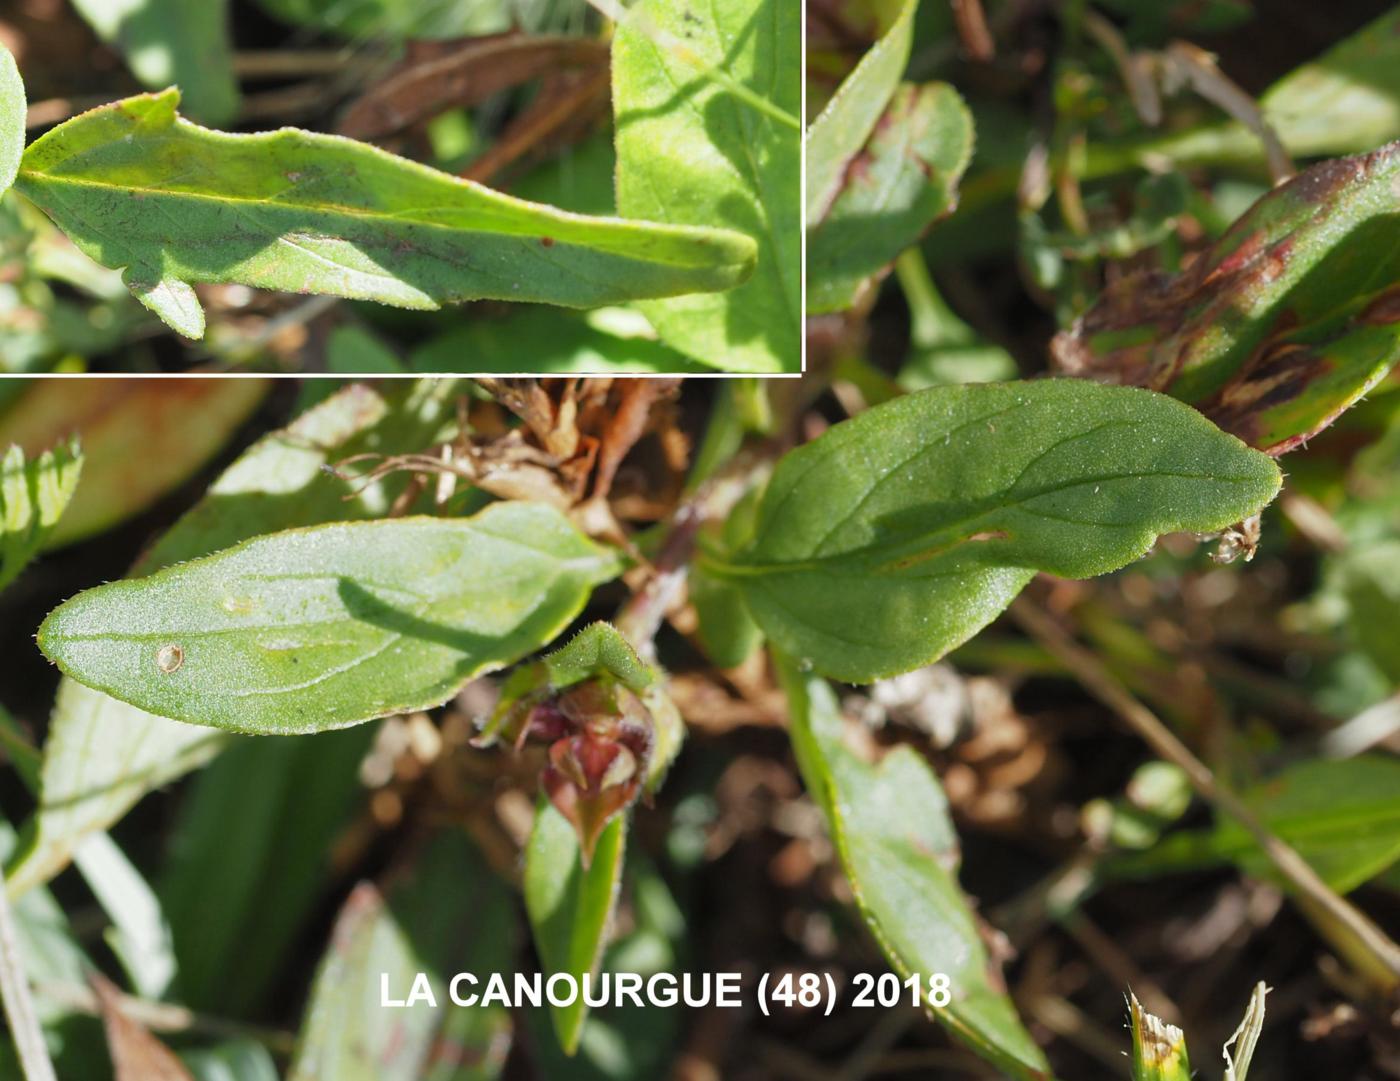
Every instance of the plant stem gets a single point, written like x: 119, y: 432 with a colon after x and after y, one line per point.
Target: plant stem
x: 170, y: 1018
x: 19, y: 1004
x: 1368, y: 947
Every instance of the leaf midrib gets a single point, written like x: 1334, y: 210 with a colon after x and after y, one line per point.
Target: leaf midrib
x: 884, y: 552
x: 39, y: 180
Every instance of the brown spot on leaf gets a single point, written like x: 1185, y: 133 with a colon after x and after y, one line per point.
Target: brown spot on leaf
x: 169, y: 658
x: 1383, y: 310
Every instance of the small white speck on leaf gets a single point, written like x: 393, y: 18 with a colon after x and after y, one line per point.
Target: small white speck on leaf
x: 169, y: 658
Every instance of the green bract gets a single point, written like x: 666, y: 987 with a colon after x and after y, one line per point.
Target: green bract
x: 570, y: 905
x: 136, y: 186
x: 324, y: 627
x: 897, y: 845
x: 692, y: 151
x: 897, y: 535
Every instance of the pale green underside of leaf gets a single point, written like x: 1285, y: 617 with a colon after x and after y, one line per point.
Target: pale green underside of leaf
x: 329, y: 626
x: 102, y: 755
x: 897, y: 846
x: 570, y: 906
x: 904, y: 179
x: 138, y: 187
x: 838, y: 133
x: 173, y: 43
x: 899, y: 534
x: 100, y: 758
x: 13, y: 110
x: 691, y: 152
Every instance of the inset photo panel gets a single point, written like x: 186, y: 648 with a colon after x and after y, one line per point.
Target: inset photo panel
x: 528, y: 187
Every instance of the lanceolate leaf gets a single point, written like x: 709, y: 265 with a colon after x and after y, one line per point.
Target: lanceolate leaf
x: 844, y: 126
x: 897, y: 846
x: 1290, y: 318
x: 136, y: 186
x: 899, y: 534
x: 691, y: 151
x: 329, y: 626
x: 101, y: 755
x: 571, y: 906
x: 238, y: 871
x: 904, y: 178
x: 13, y: 110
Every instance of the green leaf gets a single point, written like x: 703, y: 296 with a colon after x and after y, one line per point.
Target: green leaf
x: 451, y: 915
x: 624, y: 1043
x: 550, y: 341
x: 136, y: 186
x: 1345, y: 101
x: 897, y: 845
x: 33, y: 495
x: 50, y: 948
x: 1159, y: 1049
x: 103, y: 755
x: 1342, y: 816
x: 239, y: 1060
x: 140, y: 933
x: 845, y: 125
x: 329, y: 626
x: 571, y: 906
x: 1289, y: 319
x: 899, y: 534
x: 1366, y: 576
x: 173, y: 43
x: 142, y: 438
x: 691, y: 151
x: 942, y: 348
x: 240, y: 871
x: 353, y: 350
x: 402, y: 19
x: 13, y: 111
x: 902, y: 180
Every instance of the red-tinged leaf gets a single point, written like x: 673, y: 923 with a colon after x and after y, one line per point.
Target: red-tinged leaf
x: 903, y: 180
x: 1291, y: 317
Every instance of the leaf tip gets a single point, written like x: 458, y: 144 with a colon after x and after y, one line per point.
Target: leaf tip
x: 174, y: 302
